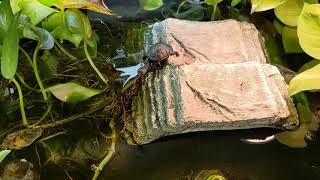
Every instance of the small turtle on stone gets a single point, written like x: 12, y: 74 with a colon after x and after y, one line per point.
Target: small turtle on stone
x: 159, y: 53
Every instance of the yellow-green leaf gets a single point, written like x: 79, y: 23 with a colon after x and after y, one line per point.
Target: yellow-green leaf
x: 290, y: 40
x: 263, y: 5
x: 150, y: 5
x: 309, y: 29
x: 72, y: 92
x: 288, y: 12
x: 307, y: 80
x: 4, y: 154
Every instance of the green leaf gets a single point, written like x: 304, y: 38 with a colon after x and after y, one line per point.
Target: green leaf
x: 235, y: 2
x: 288, y: 12
x: 309, y: 29
x: 278, y: 26
x: 77, y: 22
x: 212, y: 2
x: 10, y: 51
x: 35, y: 10
x: 307, y: 80
x: 41, y: 35
x: 150, y: 5
x: 263, y: 5
x: 6, y: 18
x: 93, y: 5
x: 4, y: 154
x: 296, y: 139
x: 309, y: 65
x: 72, y: 92
x: 290, y: 40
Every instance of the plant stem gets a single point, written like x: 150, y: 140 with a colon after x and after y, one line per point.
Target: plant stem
x: 64, y: 51
x: 77, y: 116
x: 111, y: 152
x: 26, y: 54
x: 92, y: 64
x: 179, y: 7
x: 36, y: 73
x: 44, y: 115
x: 25, y: 84
x: 23, y: 113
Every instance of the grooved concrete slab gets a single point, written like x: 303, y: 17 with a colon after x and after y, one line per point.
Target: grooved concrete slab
x: 219, y: 82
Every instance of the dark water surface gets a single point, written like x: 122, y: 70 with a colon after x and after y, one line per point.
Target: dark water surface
x: 176, y: 157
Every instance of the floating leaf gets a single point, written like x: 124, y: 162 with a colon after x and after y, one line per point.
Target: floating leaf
x: 290, y: 40
x: 10, y: 51
x: 288, y: 12
x: 21, y: 139
x: 235, y: 2
x: 150, y: 5
x: 309, y: 65
x: 309, y: 29
x: 72, y: 92
x: 93, y: 5
x: 307, y: 80
x: 35, y: 10
x: 4, y: 154
x: 263, y: 5
x: 308, y: 122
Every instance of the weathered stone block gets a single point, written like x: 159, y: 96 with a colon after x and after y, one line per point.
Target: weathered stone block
x: 221, y: 89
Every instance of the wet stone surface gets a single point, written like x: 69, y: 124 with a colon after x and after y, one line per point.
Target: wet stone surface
x: 219, y: 81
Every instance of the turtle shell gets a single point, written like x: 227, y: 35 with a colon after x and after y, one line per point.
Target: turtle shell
x: 159, y: 52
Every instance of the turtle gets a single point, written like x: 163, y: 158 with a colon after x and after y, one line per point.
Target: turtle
x: 159, y: 53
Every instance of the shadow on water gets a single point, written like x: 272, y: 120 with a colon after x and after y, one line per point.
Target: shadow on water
x: 181, y: 156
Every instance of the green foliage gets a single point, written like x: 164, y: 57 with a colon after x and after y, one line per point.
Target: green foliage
x: 288, y: 12
x: 235, y: 2
x: 290, y: 40
x: 309, y: 65
x: 72, y: 92
x: 150, y: 5
x: 309, y: 29
x: 263, y: 5
x: 39, y: 34
x: 4, y: 154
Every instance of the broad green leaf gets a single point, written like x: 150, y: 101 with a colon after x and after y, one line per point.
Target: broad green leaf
x: 4, y: 154
x: 56, y: 24
x: 309, y: 29
x: 308, y: 122
x: 10, y: 51
x: 309, y: 65
x: 235, y: 2
x: 77, y: 22
x: 6, y: 18
x: 290, y: 40
x: 288, y: 12
x: 264, y: 5
x: 72, y: 92
x: 150, y: 5
x: 307, y: 80
x: 39, y: 34
x: 93, y: 5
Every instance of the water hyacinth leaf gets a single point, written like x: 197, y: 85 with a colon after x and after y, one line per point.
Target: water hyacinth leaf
x: 264, y: 5
x: 235, y: 2
x: 308, y: 122
x: 309, y: 29
x: 6, y: 18
x: 309, y: 65
x: 4, y: 154
x: 10, y: 51
x: 288, y: 12
x: 150, y: 5
x: 41, y: 35
x: 290, y: 40
x: 93, y: 5
x: 35, y: 10
x: 307, y: 80
x: 73, y: 92
x: 21, y: 139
